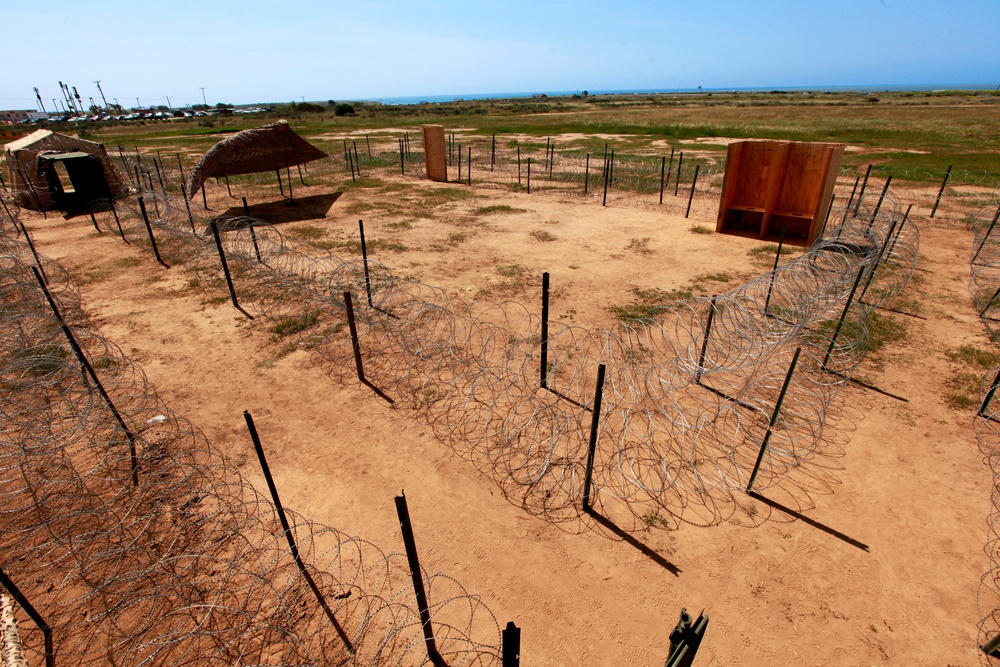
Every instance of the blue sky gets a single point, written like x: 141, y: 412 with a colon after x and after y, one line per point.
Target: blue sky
x: 273, y: 50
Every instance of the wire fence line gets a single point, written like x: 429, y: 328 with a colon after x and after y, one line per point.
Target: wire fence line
x: 692, y: 390
x: 189, y: 565
x: 984, y: 288
x: 687, y: 183
x: 691, y: 394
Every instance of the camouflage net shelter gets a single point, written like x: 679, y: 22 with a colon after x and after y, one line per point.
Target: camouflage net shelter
x: 267, y: 148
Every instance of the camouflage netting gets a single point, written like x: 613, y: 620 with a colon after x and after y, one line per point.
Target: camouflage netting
x: 267, y: 148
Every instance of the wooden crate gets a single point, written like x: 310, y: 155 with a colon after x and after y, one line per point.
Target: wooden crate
x: 770, y: 185
x: 435, y: 153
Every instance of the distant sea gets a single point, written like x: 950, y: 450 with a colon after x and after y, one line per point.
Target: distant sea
x: 430, y: 99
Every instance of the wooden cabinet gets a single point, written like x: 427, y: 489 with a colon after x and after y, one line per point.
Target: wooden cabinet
x: 773, y: 184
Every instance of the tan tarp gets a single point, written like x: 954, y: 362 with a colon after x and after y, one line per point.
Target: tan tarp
x: 22, y: 165
x: 268, y: 148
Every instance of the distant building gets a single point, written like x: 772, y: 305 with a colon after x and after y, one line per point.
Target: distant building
x: 19, y: 116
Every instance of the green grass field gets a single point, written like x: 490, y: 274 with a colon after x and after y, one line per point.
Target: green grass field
x: 912, y: 136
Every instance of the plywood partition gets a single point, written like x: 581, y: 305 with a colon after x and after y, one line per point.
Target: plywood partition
x: 435, y: 152
x: 770, y: 185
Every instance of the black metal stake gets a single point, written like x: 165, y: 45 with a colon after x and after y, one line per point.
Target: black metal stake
x: 82, y: 358
x: 774, y: 269
x: 468, y: 166
x: 9, y: 215
x: 253, y: 234
x: 947, y: 175
x: 989, y: 395
x: 459, y: 163
x: 988, y: 232
x: 34, y: 194
x: 595, y: 423
x: 50, y: 655
x: 829, y: 208
x: 355, y: 343
x: 989, y: 304
x: 114, y: 212
x: 225, y: 267
x: 187, y: 206
x: 511, y: 645
x: 38, y: 260
x: 878, y: 262
x: 289, y: 536
x: 519, y: 164
x: 586, y: 174
x: 878, y: 206
x: 704, y: 343
x: 288, y: 174
x: 861, y: 194
x: 843, y: 316
x: 364, y: 257
x: 159, y: 175
x: 403, y: 512
x: 899, y: 231
x: 121, y: 155
x: 694, y: 181
x: 670, y: 167
x: 857, y: 179
x: 663, y: 175
x: 402, y: 161
x: 149, y: 230
x: 357, y: 159
x: 774, y: 419
x: 604, y: 201
x: 529, y: 175
x: 677, y: 179
x: 545, y: 329
x: 611, y: 168
x: 493, y: 151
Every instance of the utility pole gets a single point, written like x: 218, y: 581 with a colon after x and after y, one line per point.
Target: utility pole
x: 203, y: 99
x: 92, y: 104
x: 137, y: 105
x: 168, y: 101
x: 64, y: 89
x: 38, y: 95
x: 102, y: 94
x: 78, y: 100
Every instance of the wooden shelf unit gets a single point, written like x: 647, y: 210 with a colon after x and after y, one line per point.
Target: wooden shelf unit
x: 773, y: 184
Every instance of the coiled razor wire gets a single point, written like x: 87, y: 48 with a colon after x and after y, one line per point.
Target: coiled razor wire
x: 683, y: 416
x: 686, y: 405
x: 984, y: 288
x: 189, y: 566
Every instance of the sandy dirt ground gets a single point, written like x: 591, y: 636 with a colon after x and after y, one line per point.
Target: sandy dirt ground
x: 878, y: 563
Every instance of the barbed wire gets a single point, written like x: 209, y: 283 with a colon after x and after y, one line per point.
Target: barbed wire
x: 685, y: 416
x: 190, y: 564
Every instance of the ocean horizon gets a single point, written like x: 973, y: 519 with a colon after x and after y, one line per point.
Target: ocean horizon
x: 458, y: 97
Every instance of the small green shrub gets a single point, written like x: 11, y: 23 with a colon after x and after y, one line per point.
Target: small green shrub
x: 295, y: 324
